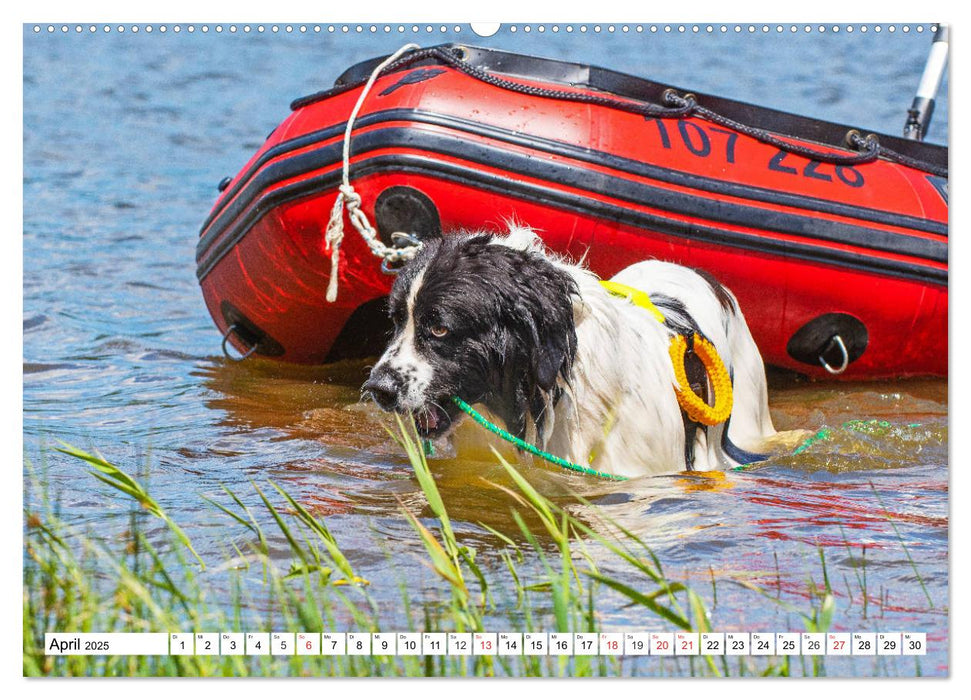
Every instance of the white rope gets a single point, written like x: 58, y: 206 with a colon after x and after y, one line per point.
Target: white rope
x: 348, y: 197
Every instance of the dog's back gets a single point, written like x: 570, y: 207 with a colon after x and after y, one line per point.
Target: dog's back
x: 713, y: 309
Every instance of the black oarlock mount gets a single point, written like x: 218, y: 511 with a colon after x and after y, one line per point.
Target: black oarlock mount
x: 922, y: 109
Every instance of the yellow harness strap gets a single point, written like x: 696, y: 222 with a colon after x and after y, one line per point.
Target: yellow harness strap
x: 696, y: 408
x: 634, y: 296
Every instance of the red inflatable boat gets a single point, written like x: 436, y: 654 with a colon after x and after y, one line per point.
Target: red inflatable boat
x: 834, y: 240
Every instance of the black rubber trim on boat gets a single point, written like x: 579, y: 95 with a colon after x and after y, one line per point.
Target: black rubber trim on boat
x: 615, y: 83
x: 601, y: 184
x: 602, y: 158
x: 473, y: 177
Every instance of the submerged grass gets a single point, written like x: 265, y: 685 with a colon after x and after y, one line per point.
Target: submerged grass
x: 155, y: 581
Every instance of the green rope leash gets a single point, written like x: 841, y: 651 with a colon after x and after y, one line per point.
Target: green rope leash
x: 823, y: 435
x: 870, y: 427
x: 863, y: 426
x: 523, y: 445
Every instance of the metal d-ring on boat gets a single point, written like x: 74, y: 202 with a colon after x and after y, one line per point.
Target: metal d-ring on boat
x: 838, y: 342
x: 229, y: 331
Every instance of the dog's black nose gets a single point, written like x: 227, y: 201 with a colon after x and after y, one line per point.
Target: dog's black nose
x: 384, y: 385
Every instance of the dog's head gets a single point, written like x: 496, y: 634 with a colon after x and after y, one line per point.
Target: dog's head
x: 484, y: 318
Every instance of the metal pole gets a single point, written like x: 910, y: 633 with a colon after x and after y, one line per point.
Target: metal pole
x: 920, y: 112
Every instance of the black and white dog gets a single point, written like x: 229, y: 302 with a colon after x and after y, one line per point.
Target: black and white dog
x: 500, y: 321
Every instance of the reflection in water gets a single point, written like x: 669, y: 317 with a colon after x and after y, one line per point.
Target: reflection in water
x: 841, y: 491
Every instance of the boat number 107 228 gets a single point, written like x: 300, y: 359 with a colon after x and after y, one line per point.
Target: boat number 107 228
x: 705, y: 141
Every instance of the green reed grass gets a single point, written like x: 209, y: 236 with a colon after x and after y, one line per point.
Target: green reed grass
x: 78, y: 581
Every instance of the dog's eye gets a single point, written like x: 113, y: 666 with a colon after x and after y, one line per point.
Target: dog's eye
x: 439, y: 331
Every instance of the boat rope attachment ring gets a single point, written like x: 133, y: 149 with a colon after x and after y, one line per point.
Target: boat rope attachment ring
x: 400, y: 241
x: 349, y: 198
x: 229, y: 332
x: 838, y: 342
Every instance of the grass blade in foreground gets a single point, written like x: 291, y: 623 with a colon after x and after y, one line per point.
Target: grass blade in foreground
x: 116, y: 478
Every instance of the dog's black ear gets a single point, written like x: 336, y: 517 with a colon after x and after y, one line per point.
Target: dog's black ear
x: 550, y: 309
x: 551, y: 356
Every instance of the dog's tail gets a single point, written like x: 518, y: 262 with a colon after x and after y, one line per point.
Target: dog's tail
x: 736, y: 453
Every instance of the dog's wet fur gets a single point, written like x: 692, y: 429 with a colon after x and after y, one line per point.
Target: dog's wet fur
x: 501, y: 322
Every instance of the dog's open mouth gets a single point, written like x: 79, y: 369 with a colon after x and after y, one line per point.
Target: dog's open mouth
x: 434, y: 419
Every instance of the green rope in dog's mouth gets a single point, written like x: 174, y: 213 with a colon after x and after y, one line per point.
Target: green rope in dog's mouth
x: 528, y: 447
x: 823, y: 435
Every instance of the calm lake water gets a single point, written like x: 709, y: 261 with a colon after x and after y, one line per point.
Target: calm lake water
x: 125, y: 138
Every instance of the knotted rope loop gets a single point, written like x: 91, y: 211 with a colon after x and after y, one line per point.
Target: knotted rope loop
x: 683, y: 104
x: 349, y: 199
x: 868, y: 144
